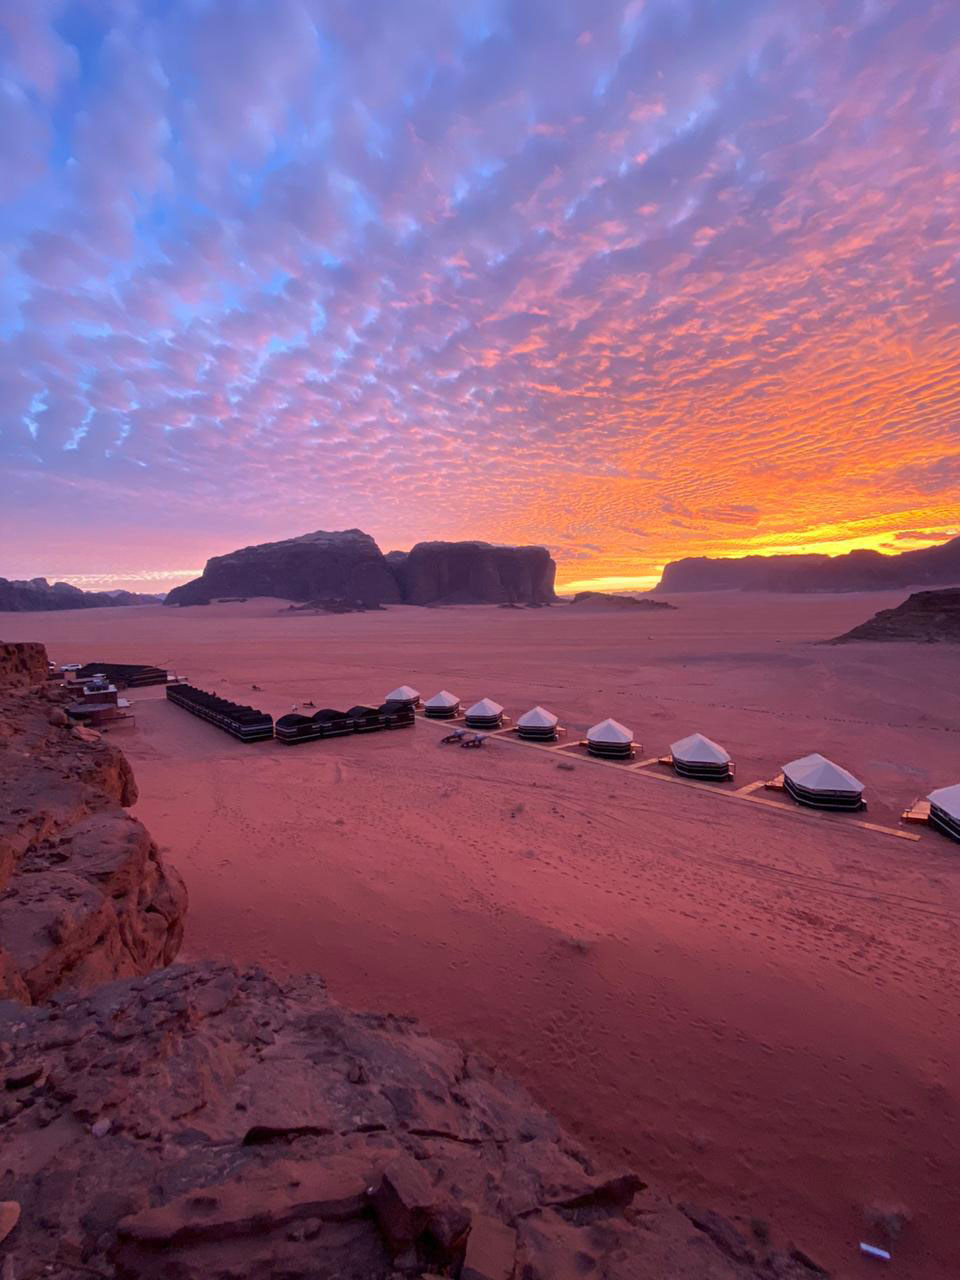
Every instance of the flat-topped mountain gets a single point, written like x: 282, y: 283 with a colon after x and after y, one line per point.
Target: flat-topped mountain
x: 932, y: 617
x: 855, y: 571
x: 38, y: 595
x: 315, y: 566
x: 474, y: 573
x: 349, y: 565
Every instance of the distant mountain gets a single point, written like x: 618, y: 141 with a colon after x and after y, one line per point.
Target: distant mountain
x: 39, y: 596
x: 855, y: 571
x: 606, y: 600
x: 473, y: 573
x: 348, y: 565
x: 932, y: 617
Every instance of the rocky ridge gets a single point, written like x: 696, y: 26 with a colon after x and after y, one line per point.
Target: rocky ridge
x: 855, y: 571
x: 932, y: 617
x: 40, y: 596
x: 84, y: 894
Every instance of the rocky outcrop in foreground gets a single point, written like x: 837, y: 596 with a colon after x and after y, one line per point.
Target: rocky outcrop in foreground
x: 84, y: 894
x: 22, y: 665
x: 39, y: 596
x: 474, y: 573
x: 932, y: 617
x: 606, y: 600
x: 206, y: 1124
x: 855, y: 571
x: 326, y: 568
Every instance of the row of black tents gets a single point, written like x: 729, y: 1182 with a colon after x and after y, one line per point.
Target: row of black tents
x: 125, y: 675
x: 246, y: 723
x: 327, y: 723
x: 250, y: 725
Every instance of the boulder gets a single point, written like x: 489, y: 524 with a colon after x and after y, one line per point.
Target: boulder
x: 316, y: 566
x: 402, y: 1201
x: 491, y: 1250
x: 474, y: 573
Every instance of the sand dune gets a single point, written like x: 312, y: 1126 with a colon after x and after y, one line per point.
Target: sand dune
x: 760, y: 1010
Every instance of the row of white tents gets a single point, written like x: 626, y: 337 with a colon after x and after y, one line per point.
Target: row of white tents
x: 812, y: 780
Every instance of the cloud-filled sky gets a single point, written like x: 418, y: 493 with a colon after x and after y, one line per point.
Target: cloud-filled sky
x: 635, y: 279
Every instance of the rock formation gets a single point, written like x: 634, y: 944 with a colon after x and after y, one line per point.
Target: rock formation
x: 84, y: 894
x: 606, y: 600
x: 331, y: 567
x: 203, y: 1123
x: 855, y: 571
x: 929, y: 616
x: 22, y: 665
x: 316, y: 566
x: 38, y: 595
x: 474, y: 573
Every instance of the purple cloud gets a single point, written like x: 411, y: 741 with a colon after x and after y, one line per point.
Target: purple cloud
x: 679, y: 263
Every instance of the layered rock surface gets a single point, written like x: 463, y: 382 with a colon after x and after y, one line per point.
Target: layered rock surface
x: 932, y: 617
x: 84, y: 894
x: 856, y: 571
x: 203, y: 1123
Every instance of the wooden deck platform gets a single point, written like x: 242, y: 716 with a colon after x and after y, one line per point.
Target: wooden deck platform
x: 919, y: 812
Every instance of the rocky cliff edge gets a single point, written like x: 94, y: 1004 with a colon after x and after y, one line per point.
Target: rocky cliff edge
x: 84, y: 894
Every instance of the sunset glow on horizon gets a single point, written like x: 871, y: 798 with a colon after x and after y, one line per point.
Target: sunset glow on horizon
x: 637, y: 281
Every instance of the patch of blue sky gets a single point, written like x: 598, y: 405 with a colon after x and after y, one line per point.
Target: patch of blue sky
x: 84, y: 27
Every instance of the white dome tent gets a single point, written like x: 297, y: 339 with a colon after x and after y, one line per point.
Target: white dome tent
x: 442, y: 706
x: 611, y: 740
x: 485, y: 714
x: 816, y: 781
x: 697, y: 756
x: 538, y: 725
x: 945, y: 810
x: 404, y: 696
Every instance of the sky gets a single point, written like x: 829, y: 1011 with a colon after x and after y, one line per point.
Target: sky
x: 635, y: 280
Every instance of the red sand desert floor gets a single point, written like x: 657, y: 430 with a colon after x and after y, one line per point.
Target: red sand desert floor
x: 758, y: 1011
